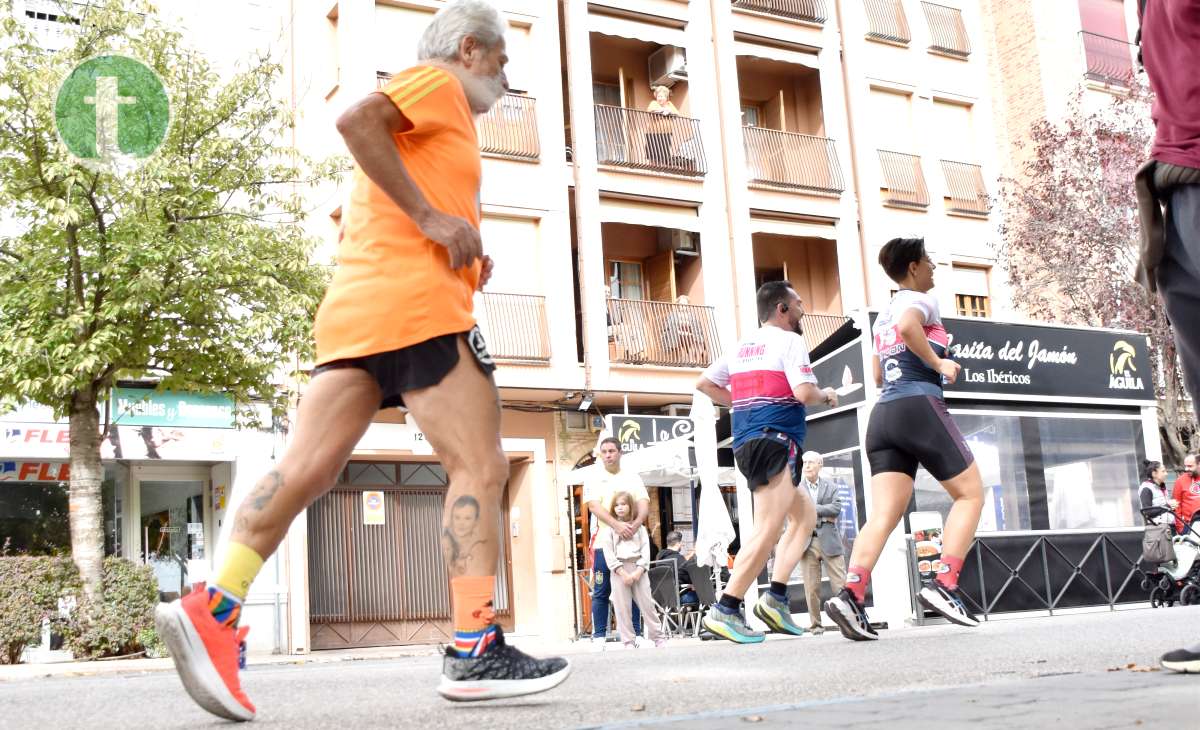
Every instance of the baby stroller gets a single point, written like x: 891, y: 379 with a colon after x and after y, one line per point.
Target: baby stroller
x: 1179, y: 579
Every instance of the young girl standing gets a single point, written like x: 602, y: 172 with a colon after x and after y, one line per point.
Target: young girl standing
x: 629, y: 561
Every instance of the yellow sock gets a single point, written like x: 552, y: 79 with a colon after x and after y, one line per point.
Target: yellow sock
x: 238, y: 570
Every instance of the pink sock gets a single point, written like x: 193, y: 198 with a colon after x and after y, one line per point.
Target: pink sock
x: 857, y: 579
x: 948, y: 575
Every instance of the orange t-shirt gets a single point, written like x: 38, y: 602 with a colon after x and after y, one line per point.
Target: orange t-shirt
x: 394, y: 287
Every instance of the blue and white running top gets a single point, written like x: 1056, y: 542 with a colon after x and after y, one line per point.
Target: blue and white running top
x: 762, y: 373
x: 905, y: 374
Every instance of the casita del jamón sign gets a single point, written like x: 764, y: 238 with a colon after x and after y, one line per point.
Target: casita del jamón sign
x: 1038, y: 360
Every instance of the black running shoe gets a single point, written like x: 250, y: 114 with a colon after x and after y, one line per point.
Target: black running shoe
x: 851, y: 617
x: 502, y: 671
x: 1183, y: 660
x: 947, y: 602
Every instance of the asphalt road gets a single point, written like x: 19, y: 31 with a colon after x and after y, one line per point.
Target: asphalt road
x: 1069, y: 671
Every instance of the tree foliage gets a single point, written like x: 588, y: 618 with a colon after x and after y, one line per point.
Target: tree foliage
x: 192, y: 270
x: 1070, y: 238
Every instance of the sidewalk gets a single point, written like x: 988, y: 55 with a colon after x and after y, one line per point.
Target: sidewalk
x: 531, y: 644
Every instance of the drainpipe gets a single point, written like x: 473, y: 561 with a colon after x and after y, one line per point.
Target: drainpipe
x: 850, y: 139
x: 730, y: 182
x: 579, y: 183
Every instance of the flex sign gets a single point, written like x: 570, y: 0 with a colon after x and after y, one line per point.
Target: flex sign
x: 34, y: 471
x: 144, y: 407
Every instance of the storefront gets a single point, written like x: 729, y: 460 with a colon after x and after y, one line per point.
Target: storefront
x: 169, y: 463
x: 1059, y: 419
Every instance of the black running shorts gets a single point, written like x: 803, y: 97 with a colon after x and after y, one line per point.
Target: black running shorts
x: 416, y: 366
x: 916, y: 430
x: 760, y: 458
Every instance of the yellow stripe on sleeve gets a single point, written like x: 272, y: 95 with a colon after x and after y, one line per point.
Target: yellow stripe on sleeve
x: 425, y: 91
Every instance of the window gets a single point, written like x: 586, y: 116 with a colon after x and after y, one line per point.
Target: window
x: 999, y: 451
x: 971, y: 291
x: 751, y: 115
x: 1091, y: 472
x: 1107, y: 53
x: 947, y: 34
x: 886, y: 21
x: 607, y: 94
x: 625, y: 280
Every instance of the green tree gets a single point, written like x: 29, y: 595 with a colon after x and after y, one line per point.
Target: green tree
x: 191, y: 269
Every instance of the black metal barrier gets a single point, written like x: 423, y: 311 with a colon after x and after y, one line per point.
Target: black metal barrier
x: 1048, y: 571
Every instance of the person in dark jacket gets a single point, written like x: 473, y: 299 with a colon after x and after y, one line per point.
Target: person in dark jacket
x: 1156, y: 505
x: 672, y: 552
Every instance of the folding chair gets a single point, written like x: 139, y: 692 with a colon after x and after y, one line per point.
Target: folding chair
x: 664, y: 587
x: 706, y: 592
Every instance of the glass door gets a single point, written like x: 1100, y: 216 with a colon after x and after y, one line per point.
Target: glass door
x: 172, y: 530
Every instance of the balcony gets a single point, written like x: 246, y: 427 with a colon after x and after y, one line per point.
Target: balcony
x: 886, y: 21
x: 812, y: 11
x: 965, y: 188
x: 1107, y: 60
x: 514, y: 326
x: 947, y: 34
x: 662, y: 333
x: 648, y: 141
x: 903, y: 179
x: 509, y: 129
x: 819, y: 327
x: 791, y: 160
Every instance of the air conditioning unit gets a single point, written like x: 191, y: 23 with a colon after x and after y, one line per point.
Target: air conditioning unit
x: 684, y: 242
x: 667, y: 65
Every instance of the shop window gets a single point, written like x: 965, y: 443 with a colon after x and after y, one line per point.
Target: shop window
x: 33, y: 518
x: 999, y: 451
x: 843, y: 471
x: 1091, y: 471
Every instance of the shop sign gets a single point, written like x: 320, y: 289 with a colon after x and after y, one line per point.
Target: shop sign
x: 637, y: 432
x: 34, y: 471
x: 1040, y: 360
x: 144, y: 407
x: 373, y: 513
x: 53, y: 441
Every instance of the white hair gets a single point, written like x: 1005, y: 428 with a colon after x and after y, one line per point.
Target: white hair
x: 457, y: 20
x: 812, y: 456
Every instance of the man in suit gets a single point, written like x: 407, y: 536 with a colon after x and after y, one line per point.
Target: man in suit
x: 826, y: 545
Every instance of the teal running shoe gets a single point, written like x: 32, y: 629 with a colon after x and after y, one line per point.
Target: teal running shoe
x: 776, y: 614
x: 731, y: 626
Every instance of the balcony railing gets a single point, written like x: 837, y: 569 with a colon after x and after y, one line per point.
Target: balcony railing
x: 819, y: 327
x: 792, y: 160
x: 1107, y: 60
x: 965, y: 188
x: 811, y: 10
x: 514, y: 326
x: 648, y: 141
x: 886, y: 21
x: 947, y: 33
x: 903, y: 179
x: 510, y: 128
x: 662, y: 333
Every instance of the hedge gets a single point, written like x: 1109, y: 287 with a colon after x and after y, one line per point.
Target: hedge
x: 30, y: 588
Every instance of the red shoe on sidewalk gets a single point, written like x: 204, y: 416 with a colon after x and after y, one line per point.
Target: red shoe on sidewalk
x: 207, y: 655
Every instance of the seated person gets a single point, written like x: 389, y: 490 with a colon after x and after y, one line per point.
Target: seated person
x: 671, y: 552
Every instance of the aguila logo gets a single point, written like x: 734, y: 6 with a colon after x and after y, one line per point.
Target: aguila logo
x: 630, y: 431
x: 1121, y: 367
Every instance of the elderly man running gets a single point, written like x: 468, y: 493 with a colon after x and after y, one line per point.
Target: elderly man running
x: 395, y: 329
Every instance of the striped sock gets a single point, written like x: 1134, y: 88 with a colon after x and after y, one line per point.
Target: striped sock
x: 474, y: 643
x: 225, y: 608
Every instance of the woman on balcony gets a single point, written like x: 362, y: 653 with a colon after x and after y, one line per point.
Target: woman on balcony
x: 658, y: 138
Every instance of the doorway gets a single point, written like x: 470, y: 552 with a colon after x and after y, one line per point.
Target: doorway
x: 172, y: 529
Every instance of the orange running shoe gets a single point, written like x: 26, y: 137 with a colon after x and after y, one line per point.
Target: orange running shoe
x: 207, y: 654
